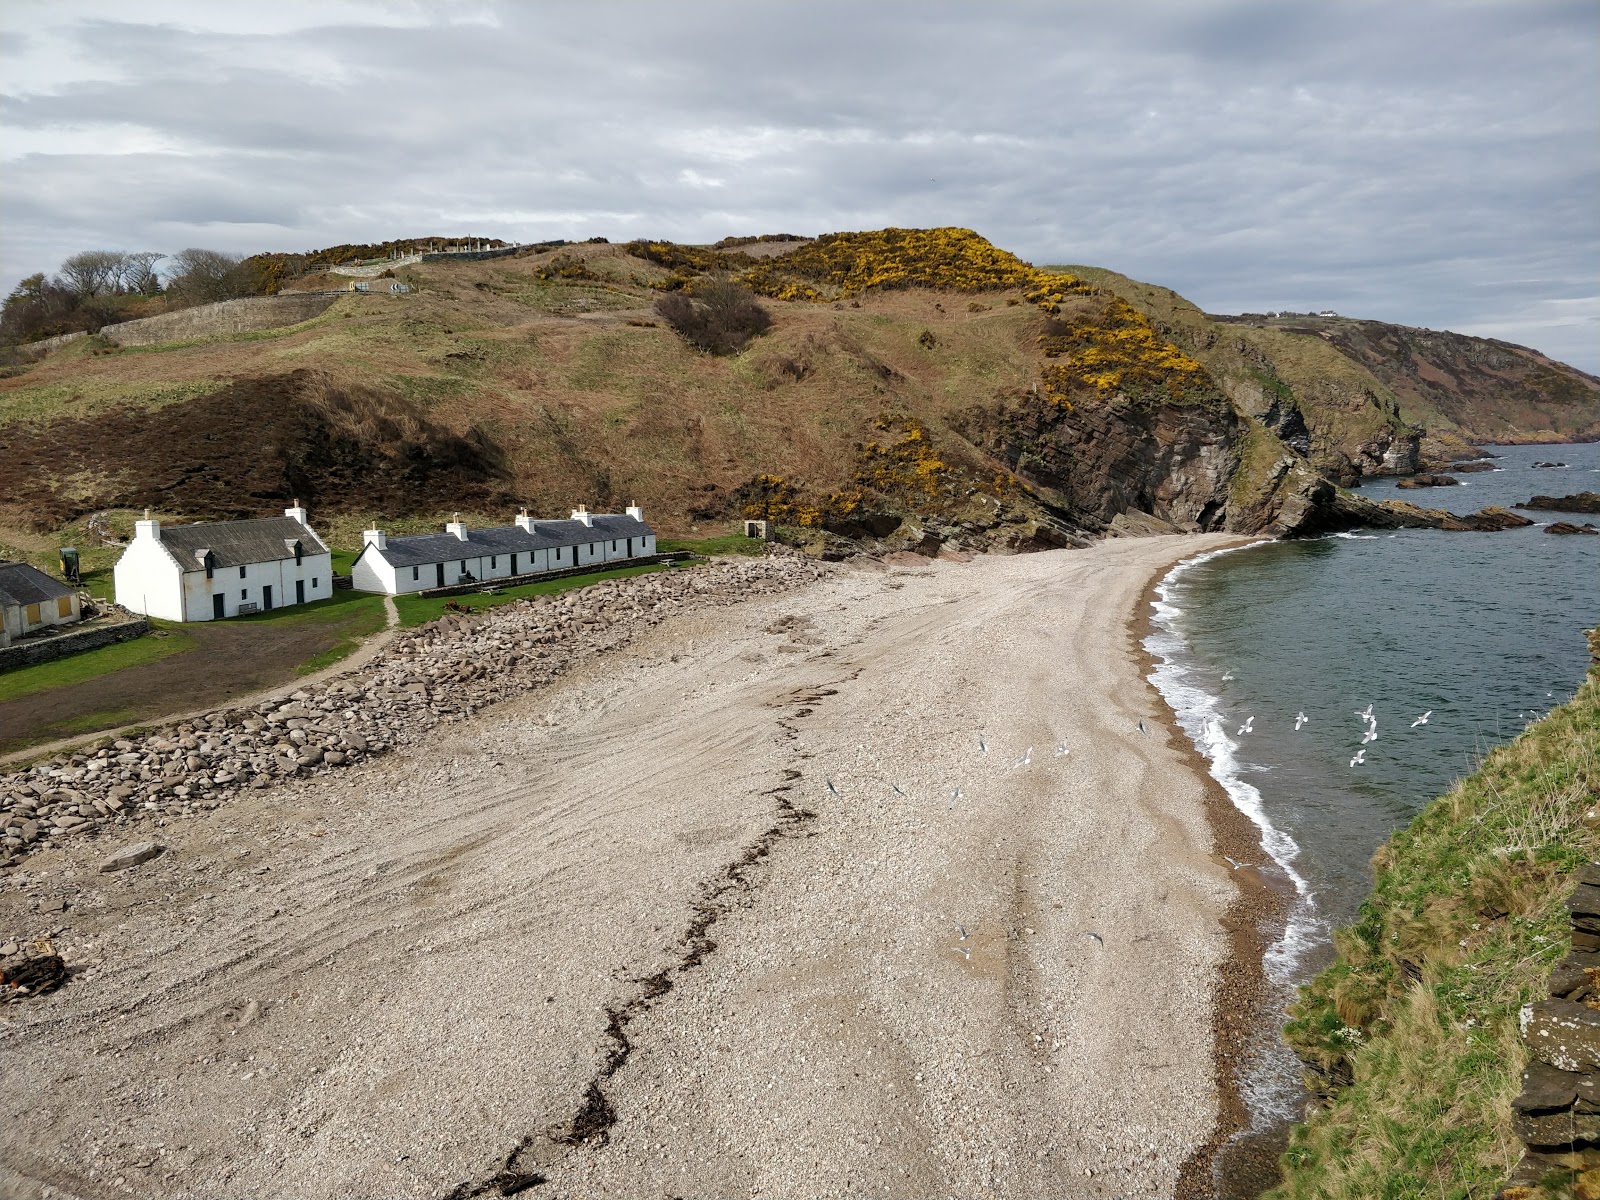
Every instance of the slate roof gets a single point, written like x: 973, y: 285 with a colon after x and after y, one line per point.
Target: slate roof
x: 427, y: 548
x: 24, y: 584
x: 239, y: 543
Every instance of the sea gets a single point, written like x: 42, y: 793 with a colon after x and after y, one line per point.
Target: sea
x: 1271, y: 654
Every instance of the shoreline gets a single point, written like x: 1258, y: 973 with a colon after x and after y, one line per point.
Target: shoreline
x: 1253, y: 921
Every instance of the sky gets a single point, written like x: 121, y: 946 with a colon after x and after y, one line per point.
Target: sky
x: 1429, y: 163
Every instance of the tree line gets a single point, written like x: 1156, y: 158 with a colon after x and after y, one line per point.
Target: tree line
x: 101, y: 287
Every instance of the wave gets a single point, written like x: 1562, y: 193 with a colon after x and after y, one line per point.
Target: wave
x: 1355, y: 537
x: 1270, y: 1082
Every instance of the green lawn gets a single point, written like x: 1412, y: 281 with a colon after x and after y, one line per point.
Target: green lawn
x: 344, y: 604
x: 77, y: 668
x: 732, y: 543
x: 419, y: 610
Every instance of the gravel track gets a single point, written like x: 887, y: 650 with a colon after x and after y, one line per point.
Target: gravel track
x: 618, y: 937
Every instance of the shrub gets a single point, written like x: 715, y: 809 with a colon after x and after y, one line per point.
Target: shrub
x: 717, y: 317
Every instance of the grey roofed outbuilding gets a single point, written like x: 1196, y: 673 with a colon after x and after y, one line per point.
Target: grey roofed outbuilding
x: 21, y: 583
x: 424, y: 549
x: 239, y: 543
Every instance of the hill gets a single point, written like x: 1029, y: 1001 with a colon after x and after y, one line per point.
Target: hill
x: 916, y: 388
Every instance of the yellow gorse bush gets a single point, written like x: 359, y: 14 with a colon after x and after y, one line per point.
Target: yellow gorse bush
x: 1118, y: 350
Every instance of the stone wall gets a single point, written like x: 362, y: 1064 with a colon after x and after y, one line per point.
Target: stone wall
x: 1557, y: 1116
x: 206, y: 320
x: 469, y: 255
x: 33, y: 651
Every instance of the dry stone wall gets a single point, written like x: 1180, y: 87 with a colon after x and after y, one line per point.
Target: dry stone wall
x: 444, y: 671
x: 205, y: 320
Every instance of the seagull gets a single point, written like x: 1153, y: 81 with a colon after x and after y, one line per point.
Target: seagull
x: 1359, y: 759
x: 1142, y: 728
x: 1232, y: 862
x: 900, y: 790
x: 1024, y: 760
x: 1227, y: 676
x: 1423, y: 719
x: 983, y: 746
x: 1062, y: 750
x: 964, y: 934
x: 1366, y: 713
x: 963, y: 950
x: 1098, y: 938
x: 1371, y: 735
x: 1248, y: 726
x: 1299, y: 719
x: 833, y: 789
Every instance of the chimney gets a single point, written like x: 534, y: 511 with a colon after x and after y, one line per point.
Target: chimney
x: 583, y: 514
x: 524, y: 521
x: 634, y: 511
x: 147, y: 528
x: 298, y: 512
x: 456, y: 526
x: 375, y: 537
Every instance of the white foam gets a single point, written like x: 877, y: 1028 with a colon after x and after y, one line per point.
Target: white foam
x: 1356, y: 537
x: 1270, y: 1084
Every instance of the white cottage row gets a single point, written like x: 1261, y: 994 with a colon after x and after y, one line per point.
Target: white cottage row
x: 229, y: 568
x: 397, y: 565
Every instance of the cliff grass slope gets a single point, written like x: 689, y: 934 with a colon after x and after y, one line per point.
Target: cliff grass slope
x: 1411, y: 1038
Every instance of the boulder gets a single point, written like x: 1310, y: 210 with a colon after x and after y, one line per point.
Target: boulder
x: 1427, y: 481
x: 1569, y: 527
x: 1579, y: 502
x: 132, y: 856
x: 1563, y: 1034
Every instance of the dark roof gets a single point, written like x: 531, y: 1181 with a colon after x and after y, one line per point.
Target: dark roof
x: 238, y: 543
x: 426, y: 548
x: 23, y: 584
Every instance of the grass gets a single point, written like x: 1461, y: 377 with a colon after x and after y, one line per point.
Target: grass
x: 1412, y: 1033
x: 733, y: 543
x: 367, y: 621
x: 342, y: 604
x: 419, y: 610
x: 79, y: 668
x: 91, y: 394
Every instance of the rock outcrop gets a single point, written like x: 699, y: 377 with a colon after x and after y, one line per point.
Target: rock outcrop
x: 1426, y: 480
x: 1581, y: 502
x: 1557, y: 1114
x: 1567, y: 527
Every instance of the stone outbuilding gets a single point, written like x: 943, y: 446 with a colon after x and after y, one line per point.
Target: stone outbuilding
x: 30, y: 601
x: 397, y: 565
x: 223, y: 569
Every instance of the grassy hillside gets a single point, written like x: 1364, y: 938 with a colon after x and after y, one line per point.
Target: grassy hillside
x: 1411, y: 1036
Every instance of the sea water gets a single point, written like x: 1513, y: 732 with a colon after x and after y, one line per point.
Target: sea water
x: 1483, y: 631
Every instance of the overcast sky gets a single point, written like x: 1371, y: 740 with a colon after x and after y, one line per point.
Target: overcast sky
x: 1434, y: 164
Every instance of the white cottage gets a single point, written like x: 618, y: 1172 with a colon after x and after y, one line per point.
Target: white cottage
x: 223, y: 569
x: 30, y: 601
x: 397, y: 565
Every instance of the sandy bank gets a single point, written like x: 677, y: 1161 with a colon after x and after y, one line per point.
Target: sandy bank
x: 622, y: 935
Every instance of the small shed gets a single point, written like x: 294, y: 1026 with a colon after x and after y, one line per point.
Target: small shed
x: 30, y: 601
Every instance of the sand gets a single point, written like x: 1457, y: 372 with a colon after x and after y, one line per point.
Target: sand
x: 622, y: 937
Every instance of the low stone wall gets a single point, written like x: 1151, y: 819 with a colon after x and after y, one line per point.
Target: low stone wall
x: 36, y: 650
x: 45, y: 345
x: 206, y: 320
x: 1557, y: 1115
x: 470, y: 255
x: 510, y: 581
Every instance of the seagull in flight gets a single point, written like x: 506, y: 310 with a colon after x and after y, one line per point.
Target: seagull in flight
x: 1366, y: 713
x: 1423, y: 719
x: 956, y: 795
x: 1233, y: 862
x: 900, y: 790
x: 1024, y: 760
x: 1359, y: 759
x: 1227, y: 676
x: 1142, y: 729
x: 1299, y: 719
x: 832, y: 789
x: 964, y: 934
x: 1098, y: 938
x: 1062, y: 750
x: 1371, y: 735
x: 1248, y: 726
x: 983, y: 746
x: 965, y: 951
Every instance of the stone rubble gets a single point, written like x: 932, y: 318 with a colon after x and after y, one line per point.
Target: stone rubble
x: 444, y: 671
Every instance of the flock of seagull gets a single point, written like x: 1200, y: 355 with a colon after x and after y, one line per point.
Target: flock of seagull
x: 1366, y: 715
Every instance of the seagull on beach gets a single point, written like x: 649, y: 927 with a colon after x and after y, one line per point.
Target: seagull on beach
x: 833, y: 790
x: 1299, y: 720
x: 1142, y: 729
x: 1024, y: 760
x: 1359, y: 759
x: 1062, y: 750
x: 1423, y: 719
x: 1248, y: 726
x: 1098, y: 938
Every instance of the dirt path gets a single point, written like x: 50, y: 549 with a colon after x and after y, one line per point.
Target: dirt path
x: 624, y: 938
x: 226, y: 669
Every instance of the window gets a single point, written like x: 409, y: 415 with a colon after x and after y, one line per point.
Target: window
x: 415, y: 572
x: 613, y: 543
x: 241, y: 572
x: 34, y: 615
x: 244, y: 593
x: 211, y: 562
x: 297, y: 552
x: 492, y: 557
x: 63, y: 606
x: 313, y: 583
x: 463, y: 566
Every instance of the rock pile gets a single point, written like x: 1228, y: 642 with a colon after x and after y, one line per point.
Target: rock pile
x: 1557, y: 1116
x: 443, y: 671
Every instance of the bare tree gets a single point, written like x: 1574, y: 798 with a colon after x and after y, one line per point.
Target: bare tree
x: 200, y: 276
x: 91, y: 273
x: 139, y: 272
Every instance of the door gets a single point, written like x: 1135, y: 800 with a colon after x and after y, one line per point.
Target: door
x: 513, y: 564
x: 266, y: 598
x: 439, y: 567
x: 216, y: 607
x: 299, y: 591
x: 630, y: 547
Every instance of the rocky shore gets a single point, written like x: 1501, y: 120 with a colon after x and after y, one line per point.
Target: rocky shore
x: 444, y: 671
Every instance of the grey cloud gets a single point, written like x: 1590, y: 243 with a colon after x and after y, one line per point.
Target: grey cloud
x: 1383, y: 159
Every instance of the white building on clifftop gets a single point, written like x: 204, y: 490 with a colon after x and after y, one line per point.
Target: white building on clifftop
x: 223, y: 569
x: 459, y: 555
